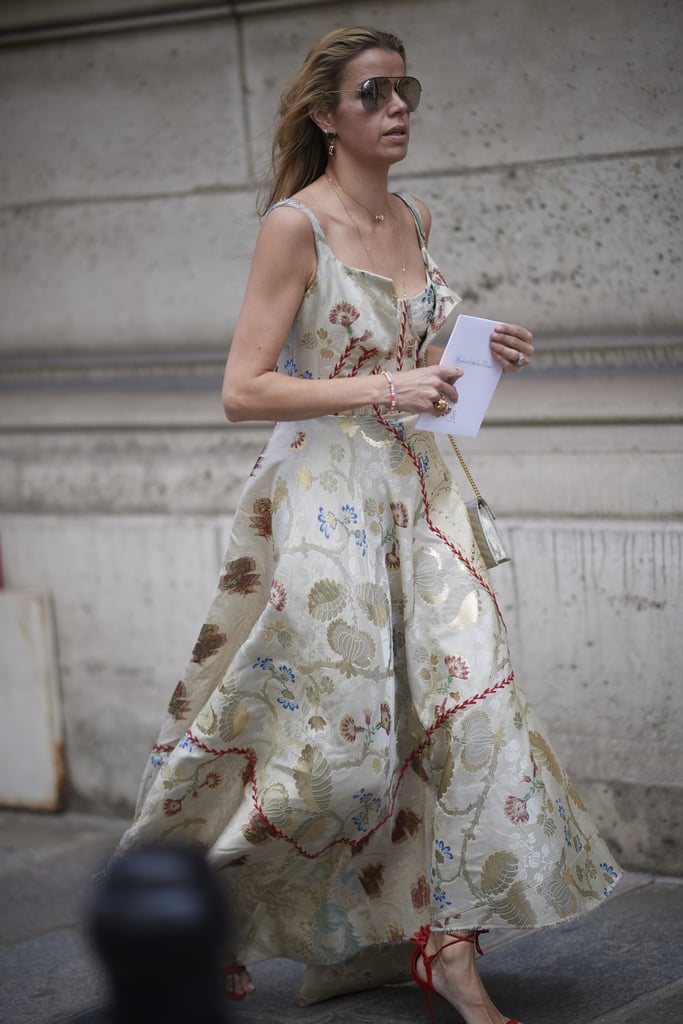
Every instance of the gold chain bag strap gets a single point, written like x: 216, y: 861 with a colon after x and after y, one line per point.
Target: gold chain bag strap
x: 482, y: 517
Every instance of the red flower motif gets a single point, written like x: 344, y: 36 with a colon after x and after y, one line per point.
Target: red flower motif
x: 299, y: 440
x: 371, y: 878
x: 419, y: 893
x: 213, y: 780
x: 172, y: 807
x: 240, y: 577
x: 262, y: 519
x: 278, y: 595
x: 516, y: 810
x: 407, y: 824
x: 349, y: 729
x: 391, y: 559
x: 400, y: 513
x: 458, y: 668
x: 209, y: 641
x: 385, y: 717
x: 343, y: 313
x: 179, y: 705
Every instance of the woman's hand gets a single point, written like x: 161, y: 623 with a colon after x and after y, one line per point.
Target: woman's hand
x: 418, y: 390
x: 511, y: 347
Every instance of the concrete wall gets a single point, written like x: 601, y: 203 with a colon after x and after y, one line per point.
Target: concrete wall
x: 549, y: 145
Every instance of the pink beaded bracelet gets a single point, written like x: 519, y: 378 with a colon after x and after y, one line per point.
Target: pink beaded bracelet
x: 392, y: 391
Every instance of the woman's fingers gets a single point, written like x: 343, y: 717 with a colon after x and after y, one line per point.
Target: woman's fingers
x: 512, y: 347
x: 445, y: 385
x: 419, y: 390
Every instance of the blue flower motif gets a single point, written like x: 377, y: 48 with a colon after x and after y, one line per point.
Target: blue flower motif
x: 157, y: 760
x: 360, y: 825
x: 361, y: 541
x: 444, y: 850
x: 290, y: 367
x: 567, y: 837
x: 429, y: 301
x: 307, y: 375
x: 367, y: 799
x: 186, y: 743
x: 285, y: 670
x: 560, y: 808
x: 288, y: 704
x: 264, y: 663
x: 440, y: 896
x: 349, y: 513
x: 609, y: 870
x: 328, y: 522
x: 578, y: 844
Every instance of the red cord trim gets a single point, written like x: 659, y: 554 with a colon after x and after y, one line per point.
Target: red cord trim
x: 366, y: 353
x: 442, y: 714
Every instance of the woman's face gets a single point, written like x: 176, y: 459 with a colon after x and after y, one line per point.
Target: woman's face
x: 380, y: 135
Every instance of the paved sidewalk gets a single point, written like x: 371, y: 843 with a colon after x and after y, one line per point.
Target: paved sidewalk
x: 622, y: 964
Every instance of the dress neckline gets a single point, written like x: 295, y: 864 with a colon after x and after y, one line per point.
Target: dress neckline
x: 360, y: 270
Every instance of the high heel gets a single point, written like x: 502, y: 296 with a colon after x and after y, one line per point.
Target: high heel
x: 421, y: 939
x: 234, y: 969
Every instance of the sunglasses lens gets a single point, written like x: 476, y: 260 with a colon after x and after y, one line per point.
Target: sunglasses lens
x: 372, y: 93
x: 410, y: 91
x: 375, y: 92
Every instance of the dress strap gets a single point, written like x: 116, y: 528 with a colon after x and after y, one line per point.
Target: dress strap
x: 412, y: 206
x: 315, y: 223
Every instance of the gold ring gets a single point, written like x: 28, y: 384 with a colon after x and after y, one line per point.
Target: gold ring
x: 441, y: 406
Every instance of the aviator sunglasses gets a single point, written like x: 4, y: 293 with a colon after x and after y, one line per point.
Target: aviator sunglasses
x: 375, y: 92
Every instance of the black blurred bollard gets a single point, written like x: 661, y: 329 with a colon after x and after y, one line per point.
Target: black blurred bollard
x: 159, y: 923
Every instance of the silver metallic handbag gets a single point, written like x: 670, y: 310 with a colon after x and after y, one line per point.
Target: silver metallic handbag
x: 482, y: 517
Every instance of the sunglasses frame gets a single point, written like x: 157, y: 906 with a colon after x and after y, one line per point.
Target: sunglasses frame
x: 373, y: 103
x: 374, y: 94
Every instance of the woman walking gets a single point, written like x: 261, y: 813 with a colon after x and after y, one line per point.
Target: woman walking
x: 349, y: 743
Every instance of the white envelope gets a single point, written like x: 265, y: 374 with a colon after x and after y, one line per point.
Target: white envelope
x: 468, y: 347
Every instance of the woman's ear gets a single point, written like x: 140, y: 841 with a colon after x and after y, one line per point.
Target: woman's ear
x: 322, y: 118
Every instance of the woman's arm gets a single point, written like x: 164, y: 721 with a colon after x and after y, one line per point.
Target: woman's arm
x: 283, y: 266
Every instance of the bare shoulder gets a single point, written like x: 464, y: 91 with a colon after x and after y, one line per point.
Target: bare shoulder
x: 286, y: 240
x: 288, y: 223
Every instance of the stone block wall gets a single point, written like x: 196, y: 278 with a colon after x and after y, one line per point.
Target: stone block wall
x: 549, y: 145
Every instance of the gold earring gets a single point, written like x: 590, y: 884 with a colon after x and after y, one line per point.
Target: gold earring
x: 330, y: 142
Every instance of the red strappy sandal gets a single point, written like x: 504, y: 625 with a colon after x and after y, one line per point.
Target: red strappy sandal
x: 420, y: 939
x: 234, y: 969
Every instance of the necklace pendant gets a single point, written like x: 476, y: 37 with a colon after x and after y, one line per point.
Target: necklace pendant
x: 379, y: 217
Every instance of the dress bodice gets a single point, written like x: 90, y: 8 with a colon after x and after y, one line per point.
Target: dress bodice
x: 351, y: 321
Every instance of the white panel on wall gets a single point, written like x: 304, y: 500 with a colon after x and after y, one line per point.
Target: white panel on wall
x: 32, y: 748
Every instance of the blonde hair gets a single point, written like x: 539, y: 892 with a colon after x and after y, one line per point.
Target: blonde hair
x: 299, y: 153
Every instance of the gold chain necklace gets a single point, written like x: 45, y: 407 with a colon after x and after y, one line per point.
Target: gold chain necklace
x: 379, y: 217
x: 354, y: 222
x: 367, y: 247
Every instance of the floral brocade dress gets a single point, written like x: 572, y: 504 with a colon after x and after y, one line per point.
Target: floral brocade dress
x: 348, y: 742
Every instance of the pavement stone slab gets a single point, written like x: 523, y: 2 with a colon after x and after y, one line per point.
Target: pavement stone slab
x: 623, y: 964
x: 660, y: 1007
